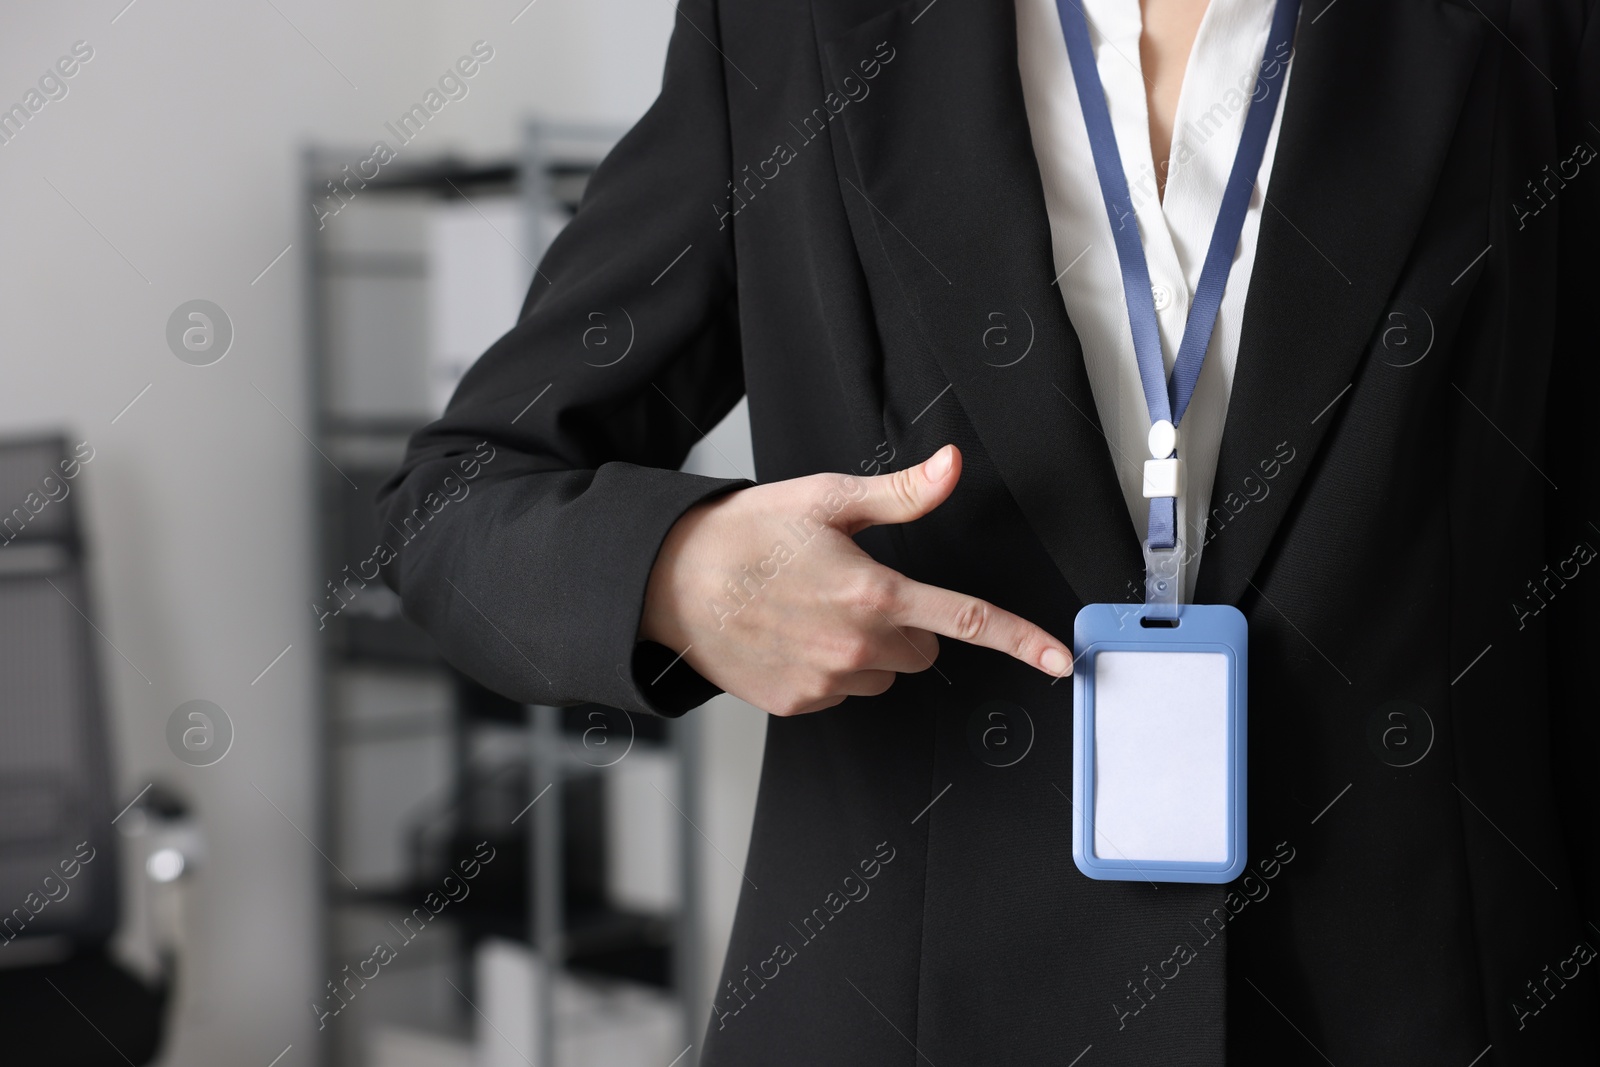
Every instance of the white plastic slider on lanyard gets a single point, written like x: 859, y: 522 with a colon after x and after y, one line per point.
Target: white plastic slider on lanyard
x: 1163, y: 567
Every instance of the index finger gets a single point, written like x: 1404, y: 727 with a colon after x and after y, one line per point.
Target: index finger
x: 978, y: 622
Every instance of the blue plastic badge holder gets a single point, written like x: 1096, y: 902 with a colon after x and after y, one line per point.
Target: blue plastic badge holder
x: 1159, y: 742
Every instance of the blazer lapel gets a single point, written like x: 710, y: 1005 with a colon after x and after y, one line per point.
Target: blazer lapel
x: 940, y: 174
x: 1375, y: 92
x: 940, y: 165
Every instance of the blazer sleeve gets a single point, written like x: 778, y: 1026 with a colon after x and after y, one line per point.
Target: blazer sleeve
x: 1574, y: 509
x: 526, y: 520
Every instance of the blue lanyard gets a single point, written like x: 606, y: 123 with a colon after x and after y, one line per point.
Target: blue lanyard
x: 1168, y: 403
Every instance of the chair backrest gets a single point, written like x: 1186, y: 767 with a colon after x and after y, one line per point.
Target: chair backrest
x: 58, y: 863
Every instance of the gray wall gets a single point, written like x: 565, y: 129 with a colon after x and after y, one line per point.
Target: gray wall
x: 167, y: 173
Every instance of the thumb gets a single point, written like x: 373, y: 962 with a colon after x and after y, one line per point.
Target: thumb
x: 907, y: 494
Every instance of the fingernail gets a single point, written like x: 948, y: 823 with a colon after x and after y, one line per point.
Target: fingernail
x: 938, y: 464
x: 1056, y: 662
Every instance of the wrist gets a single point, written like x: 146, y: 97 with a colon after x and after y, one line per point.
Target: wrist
x: 661, y: 620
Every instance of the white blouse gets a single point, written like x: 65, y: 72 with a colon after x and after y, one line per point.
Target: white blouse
x: 1176, y: 229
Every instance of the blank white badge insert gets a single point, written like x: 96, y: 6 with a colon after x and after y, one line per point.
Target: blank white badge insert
x: 1161, y: 756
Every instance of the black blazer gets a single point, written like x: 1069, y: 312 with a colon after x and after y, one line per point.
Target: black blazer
x: 830, y: 209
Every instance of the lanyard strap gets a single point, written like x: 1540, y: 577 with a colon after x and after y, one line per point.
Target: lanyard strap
x: 1168, y: 403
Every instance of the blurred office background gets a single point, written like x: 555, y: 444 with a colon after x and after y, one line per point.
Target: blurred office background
x: 270, y: 785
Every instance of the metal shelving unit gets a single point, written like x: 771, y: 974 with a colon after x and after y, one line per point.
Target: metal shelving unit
x: 383, y: 683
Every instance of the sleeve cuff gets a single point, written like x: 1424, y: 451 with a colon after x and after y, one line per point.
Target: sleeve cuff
x: 665, y: 681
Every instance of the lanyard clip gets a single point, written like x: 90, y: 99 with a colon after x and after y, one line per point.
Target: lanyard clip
x: 1163, y: 580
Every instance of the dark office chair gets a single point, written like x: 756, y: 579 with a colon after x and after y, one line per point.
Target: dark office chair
x: 63, y: 1000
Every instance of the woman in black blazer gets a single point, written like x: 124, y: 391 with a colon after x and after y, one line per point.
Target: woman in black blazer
x: 1421, y: 560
